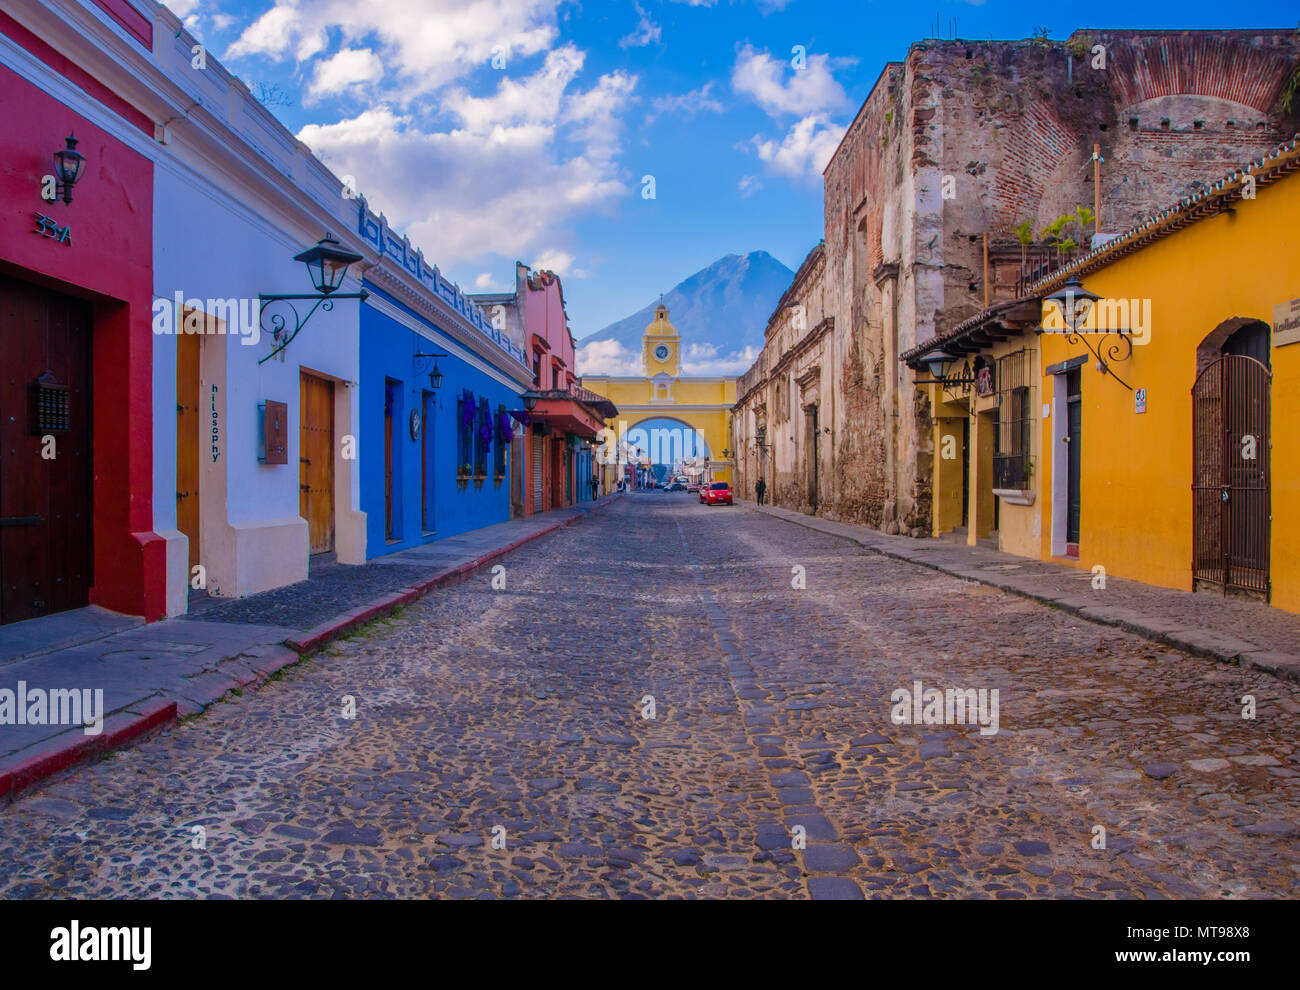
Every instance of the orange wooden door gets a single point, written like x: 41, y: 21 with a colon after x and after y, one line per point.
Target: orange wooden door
x: 188, y: 427
x: 316, y: 460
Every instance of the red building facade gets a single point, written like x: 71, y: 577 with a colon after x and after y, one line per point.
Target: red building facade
x: 75, y: 346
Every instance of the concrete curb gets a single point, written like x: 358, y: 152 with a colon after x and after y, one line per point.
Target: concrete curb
x: 1204, y: 643
x: 142, y: 718
x: 75, y: 747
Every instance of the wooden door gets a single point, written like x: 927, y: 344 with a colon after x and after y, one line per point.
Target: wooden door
x: 188, y: 429
x: 427, y: 488
x: 316, y: 460
x: 539, y: 458
x: 45, y: 501
x: 813, y: 428
x: 388, y: 460
x: 1074, y: 457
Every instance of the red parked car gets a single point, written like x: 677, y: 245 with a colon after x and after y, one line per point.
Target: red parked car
x: 718, y: 493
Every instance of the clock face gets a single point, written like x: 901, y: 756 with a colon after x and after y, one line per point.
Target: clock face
x: 661, y: 352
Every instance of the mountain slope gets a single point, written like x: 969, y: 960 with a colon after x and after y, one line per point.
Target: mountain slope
x: 724, y: 306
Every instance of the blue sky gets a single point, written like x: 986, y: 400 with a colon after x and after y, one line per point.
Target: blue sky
x: 495, y: 130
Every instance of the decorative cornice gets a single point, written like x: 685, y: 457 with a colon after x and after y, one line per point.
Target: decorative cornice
x: 374, y: 230
x: 443, y: 320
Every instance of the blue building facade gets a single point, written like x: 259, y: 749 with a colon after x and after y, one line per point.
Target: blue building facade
x: 435, y: 461
x: 437, y: 385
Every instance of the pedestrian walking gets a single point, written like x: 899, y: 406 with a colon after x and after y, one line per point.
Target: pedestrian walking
x: 761, y: 490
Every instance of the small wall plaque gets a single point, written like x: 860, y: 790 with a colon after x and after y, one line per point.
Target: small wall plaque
x: 274, y: 442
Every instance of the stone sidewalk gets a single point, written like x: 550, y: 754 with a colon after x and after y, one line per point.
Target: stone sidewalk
x: 1231, y: 630
x: 149, y: 675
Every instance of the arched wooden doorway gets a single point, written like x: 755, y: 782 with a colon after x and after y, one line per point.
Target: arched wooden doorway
x: 1231, y: 495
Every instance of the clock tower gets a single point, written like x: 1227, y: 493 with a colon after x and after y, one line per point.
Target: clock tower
x: 661, y: 347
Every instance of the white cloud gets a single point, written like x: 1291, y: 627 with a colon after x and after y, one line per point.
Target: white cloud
x: 532, y: 100
x: 343, y: 69
x: 696, y: 101
x: 484, y: 281
x: 711, y: 364
x: 748, y: 185
x: 523, y: 162
x: 806, y: 148
x: 810, y: 89
x: 647, y: 32
x: 607, y: 357
x: 553, y: 261
x: 424, y: 43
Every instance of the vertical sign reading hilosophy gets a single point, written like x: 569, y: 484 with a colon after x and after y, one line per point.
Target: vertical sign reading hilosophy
x: 216, y: 428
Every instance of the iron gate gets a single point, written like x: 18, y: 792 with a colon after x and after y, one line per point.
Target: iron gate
x: 1230, y: 476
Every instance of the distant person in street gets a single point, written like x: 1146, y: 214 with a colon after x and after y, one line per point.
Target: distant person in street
x: 761, y: 490
x: 595, y: 487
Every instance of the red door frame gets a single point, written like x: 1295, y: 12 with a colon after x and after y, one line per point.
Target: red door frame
x: 110, y: 263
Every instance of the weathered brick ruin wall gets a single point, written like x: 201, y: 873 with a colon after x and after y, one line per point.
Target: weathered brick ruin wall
x: 869, y: 196
x: 769, y: 393
x: 1013, y: 125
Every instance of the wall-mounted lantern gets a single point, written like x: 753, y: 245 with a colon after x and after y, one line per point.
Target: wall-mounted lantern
x: 70, y: 163
x: 1074, y: 303
x: 327, y: 264
x: 435, y: 376
x: 938, y: 361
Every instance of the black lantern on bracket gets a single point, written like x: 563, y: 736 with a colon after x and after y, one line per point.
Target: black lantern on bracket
x: 1074, y: 303
x: 435, y: 376
x: 327, y: 263
x: 70, y: 163
x: 938, y: 361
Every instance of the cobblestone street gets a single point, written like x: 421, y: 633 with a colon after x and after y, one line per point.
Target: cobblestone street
x: 523, y: 708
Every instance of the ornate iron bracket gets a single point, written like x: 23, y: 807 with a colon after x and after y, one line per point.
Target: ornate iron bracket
x: 279, y: 323
x: 1120, y: 350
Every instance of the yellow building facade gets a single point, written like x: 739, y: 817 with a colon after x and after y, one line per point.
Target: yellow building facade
x: 1159, y: 442
x: 662, y: 392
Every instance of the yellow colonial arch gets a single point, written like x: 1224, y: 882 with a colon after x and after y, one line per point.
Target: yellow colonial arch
x: 662, y: 392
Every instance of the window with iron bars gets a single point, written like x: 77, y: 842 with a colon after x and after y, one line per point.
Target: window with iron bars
x: 1013, y: 462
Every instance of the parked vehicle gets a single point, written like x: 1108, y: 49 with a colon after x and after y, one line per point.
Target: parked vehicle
x: 675, y: 486
x: 692, y: 487
x: 718, y: 493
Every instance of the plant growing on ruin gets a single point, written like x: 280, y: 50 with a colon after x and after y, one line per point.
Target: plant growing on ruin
x: 1040, y: 38
x: 1025, y: 235
x: 1080, y: 48
x: 1058, y: 235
